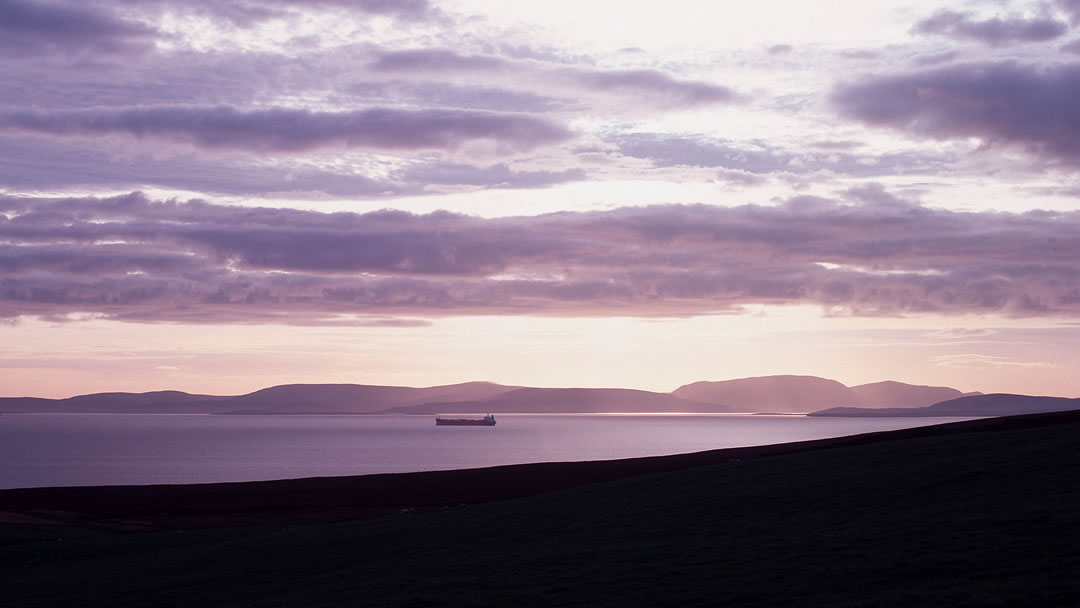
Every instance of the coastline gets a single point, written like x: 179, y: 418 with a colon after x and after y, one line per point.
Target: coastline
x: 321, y: 499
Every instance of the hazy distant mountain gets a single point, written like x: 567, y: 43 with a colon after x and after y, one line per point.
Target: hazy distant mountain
x: 117, y: 403
x: 285, y: 399
x: 569, y: 400
x: 357, y: 398
x: 809, y: 393
x: 1000, y: 404
x: 771, y: 393
x: 898, y: 394
x: 763, y: 394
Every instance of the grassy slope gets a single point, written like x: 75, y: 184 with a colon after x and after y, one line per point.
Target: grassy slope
x: 981, y: 519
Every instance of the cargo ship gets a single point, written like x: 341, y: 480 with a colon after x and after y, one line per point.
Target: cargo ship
x: 488, y: 420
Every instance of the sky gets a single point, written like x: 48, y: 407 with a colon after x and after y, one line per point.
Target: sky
x: 218, y: 197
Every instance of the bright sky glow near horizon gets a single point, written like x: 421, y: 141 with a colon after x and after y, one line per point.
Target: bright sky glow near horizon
x: 219, y: 197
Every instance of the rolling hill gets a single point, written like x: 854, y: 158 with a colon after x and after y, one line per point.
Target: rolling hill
x: 998, y: 404
x: 897, y: 394
x: 780, y: 394
x: 284, y: 399
x: 569, y: 400
x: 809, y: 393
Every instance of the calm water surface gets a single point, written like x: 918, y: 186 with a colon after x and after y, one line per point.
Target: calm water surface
x: 108, y: 449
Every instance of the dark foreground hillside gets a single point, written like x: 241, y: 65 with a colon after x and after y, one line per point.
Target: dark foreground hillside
x: 983, y: 516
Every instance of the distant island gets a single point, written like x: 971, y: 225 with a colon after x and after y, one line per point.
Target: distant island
x: 783, y: 394
x: 999, y: 404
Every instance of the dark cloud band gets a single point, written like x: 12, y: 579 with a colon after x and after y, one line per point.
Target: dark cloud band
x: 645, y: 86
x: 1001, y: 102
x: 290, y: 131
x: 870, y: 254
x: 28, y: 28
x: 996, y: 31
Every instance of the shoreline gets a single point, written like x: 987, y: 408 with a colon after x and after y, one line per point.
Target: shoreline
x: 322, y: 499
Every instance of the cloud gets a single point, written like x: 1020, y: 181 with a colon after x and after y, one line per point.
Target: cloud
x: 437, y: 60
x: 1072, y: 7
x: 860, y: 54
x: 335, y: 77
x: 654, y: 83
x: 35, y: 165
x: 493, y: 176
x: 288, y: 131
x: 676, y: 150
x: 653, y: 87
x: 935, y: 58
x: 999, y: 102
x: 779, y: 49
x: 871, y: 253
x: 740, y: 177
x: 174, y: 78
x: 444, y: 94
x: 668, y: 150
x: 975, y: 361
x: 994, y: 32
x: 246, y: 13
x: 29, y: 28
x: 962, y: 333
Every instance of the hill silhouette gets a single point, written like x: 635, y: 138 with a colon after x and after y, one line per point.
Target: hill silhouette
x: 897, y: 394
x: 996, y: 404
x: 770, y: 393
x: 809, y: 393
x: 170, y: 402
x: 781, y: 394
x: 355, y: 398
x: 570, y: 400
x: 283, y: 399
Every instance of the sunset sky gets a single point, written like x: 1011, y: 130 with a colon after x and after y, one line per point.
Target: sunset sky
x: 222, y: 196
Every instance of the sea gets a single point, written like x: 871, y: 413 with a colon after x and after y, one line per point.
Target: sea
x: 38, y: 450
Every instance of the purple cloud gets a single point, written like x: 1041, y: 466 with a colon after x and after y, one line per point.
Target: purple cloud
x: 436, y: 60
x: 651, y: 86
x: 28, y: 165
x: 674, y: 150
x: 658, y: 85
x: 860, y: 54
x: 240, y: 79
x: 1072, y: 7
x: 1009, y: 103
x: 779, y: 49
x: 935, y: 58
x: 278, y: 131
x: 174, y: 78
x: 28, y: 28
x: 442, y: 94
x: 494, y: 176
x: 871, y: 253
x: 246, y: 13
x: 994, y: 32
x: 761, y: 158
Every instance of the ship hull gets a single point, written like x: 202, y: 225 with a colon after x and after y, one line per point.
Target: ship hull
x: 462, y: 422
